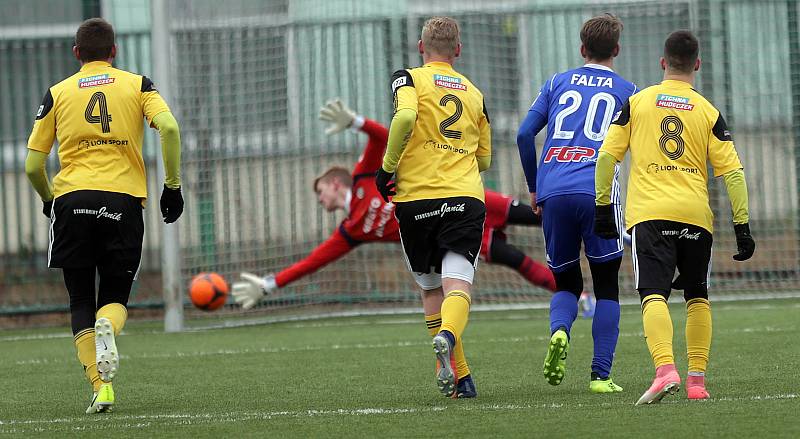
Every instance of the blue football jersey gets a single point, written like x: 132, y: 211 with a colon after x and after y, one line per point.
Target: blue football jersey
x: 578, y: 106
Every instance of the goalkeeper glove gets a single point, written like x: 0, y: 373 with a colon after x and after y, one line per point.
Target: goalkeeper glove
x: 47, y: 207
x: 339, y: 116
x: 385, y: 184
x: 604, y: 224
x: 252, y: 289
x: 744, y: 242
x: 171, y: 204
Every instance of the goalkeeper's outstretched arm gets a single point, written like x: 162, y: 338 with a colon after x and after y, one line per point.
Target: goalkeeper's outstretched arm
x: 252, y: 288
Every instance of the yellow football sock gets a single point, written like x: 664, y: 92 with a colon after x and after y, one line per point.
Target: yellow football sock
x: 698, y: 333
x: 455, y: 312
x: 434, y: 323
x: 84, y: 343
x: 116, y: 313
x: 658, y: 329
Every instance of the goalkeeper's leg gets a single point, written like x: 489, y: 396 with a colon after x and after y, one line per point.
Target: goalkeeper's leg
x: 501, y: 252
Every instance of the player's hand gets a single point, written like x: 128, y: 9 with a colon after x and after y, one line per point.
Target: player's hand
x: 337, y: 115
x: 252, y: 288
x: 171, y: 204
x: 605, y: 226
x: 744, y: 242
x: 537, y: 210
x: 385, y: 184
x: 47, y: 207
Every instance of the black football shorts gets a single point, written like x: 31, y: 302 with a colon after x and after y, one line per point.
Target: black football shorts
x: 431, y: 228
x: 97, y: 229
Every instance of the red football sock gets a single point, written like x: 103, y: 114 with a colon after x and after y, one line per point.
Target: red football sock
x: 537, y: 274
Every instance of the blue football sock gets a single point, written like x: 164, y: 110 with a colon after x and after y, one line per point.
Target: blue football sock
x: 563, y: 311
x: 605, y: 332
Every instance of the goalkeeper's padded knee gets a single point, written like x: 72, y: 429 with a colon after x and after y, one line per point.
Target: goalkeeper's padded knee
x: 570, y: 280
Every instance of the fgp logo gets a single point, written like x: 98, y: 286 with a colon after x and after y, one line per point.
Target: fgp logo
x: 448, y: 82
x: 569, y: 154
x: 676, y: 102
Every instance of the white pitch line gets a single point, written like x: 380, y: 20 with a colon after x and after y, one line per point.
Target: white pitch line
x: 188, y: 418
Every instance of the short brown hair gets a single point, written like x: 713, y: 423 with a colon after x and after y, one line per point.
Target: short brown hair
x: 600, y: 35
x: 334, y: 173
x: 441, y: 35
x: 681, y: 50
x: 94, y: 39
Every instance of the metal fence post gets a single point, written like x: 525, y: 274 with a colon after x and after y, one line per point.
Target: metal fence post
x: 170, y: 250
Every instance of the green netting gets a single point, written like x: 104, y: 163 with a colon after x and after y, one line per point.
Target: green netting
x: 247, y: 78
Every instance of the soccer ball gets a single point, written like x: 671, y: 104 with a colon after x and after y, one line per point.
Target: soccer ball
x: 208, y: 291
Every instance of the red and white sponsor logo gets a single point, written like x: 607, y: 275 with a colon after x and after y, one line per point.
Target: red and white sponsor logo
x: 675, y: 105
x: 94, y: 81
x: 566, y: 154
x: 451, y: 85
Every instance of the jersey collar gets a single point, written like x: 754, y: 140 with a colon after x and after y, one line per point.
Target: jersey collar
x: 347, y: 199
x: 94, y: 65
x: 439, y: 64
x: 598, y: 67
x: 675, y: 83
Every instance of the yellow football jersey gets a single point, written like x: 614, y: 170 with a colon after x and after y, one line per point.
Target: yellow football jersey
x: 452, y: 127
x: 96, y: 115
x: 673, y: 132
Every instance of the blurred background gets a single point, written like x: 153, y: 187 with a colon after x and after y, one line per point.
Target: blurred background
x: 245, y: 79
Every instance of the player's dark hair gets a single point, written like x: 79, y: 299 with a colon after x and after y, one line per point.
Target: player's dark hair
x: 681, y: 50
x: 334, y: 173
x: 94, y: 39
x: 600, y: 36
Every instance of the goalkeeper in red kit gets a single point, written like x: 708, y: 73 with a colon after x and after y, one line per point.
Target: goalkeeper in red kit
x: 370, y: 219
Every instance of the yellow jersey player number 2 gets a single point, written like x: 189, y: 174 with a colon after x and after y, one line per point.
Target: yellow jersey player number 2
x: 439, y: 141
x: 96, y: 199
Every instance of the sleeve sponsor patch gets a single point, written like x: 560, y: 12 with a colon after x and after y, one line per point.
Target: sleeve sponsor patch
x: 401, y: 78
x: 47, y: 105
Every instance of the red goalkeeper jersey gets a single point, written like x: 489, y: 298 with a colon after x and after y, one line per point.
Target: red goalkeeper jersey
x: 369, y: 218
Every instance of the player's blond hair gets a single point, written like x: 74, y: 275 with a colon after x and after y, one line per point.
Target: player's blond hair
x: 600, y: 35
x: 441, y: 35
x: 334, y: 173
